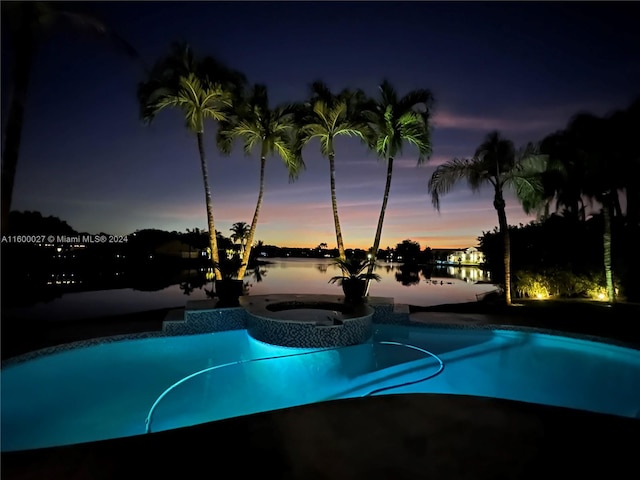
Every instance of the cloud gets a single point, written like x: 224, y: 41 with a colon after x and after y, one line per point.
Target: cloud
x: 446, y: 119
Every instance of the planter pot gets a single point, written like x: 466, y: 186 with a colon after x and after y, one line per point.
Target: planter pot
x: 354, y: 289
x: 228, y: 292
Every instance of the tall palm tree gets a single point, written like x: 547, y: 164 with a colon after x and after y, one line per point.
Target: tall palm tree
x: 497, y: 163
x: 392, y: 122
x: 326, y: 116
x: 240, y: 234
x: 270, y: 130
x: 606, y: 168
x: 27, y: 24
x: 200, y: 89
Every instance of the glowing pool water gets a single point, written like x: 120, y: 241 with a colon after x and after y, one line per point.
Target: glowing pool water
x: 107, y: 390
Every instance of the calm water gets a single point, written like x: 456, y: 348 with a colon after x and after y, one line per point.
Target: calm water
x: 106, y: 391
x: 295, y: 275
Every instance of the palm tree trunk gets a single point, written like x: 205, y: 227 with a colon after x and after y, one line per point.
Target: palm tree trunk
x: 334, y: 205
x: 13, y: 134
x: 207, y: 192
x: 499, y: 205
x: 383, y: 209
x: 606, y: 240
x: 254, y: 222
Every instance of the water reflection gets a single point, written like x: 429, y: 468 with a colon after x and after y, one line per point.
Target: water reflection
x: 322, y: 267
x: 84, y: 293
x: 408, y: 274
x: 258, y: 273
x: 405, y: 283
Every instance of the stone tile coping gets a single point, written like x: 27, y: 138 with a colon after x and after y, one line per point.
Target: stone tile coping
x: 258, y: 305
x: 79, y: 344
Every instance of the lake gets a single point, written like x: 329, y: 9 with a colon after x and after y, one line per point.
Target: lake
x: 417, y: 286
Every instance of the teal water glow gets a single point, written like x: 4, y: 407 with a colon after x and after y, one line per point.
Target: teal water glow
x: 106, y: 391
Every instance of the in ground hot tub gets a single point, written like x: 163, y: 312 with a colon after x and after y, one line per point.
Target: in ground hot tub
x: 307, y: 321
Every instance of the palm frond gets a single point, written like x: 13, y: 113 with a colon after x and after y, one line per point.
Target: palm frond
x: 388, y: 94
x: 446, y: 176
x: 527, y: 178
x: 418, y: 101
x: 224, y: 139
x: 391, y: 122
x: 530, y: 192
x: 497, y: 153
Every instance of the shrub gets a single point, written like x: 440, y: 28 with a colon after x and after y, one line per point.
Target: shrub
x: 559, y: 282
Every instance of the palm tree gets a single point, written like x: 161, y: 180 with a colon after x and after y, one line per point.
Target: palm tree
x: 201, y: 89
x: 240, y: 234
x: 621, y: 153
x: 392, y: 122
x: 325, y: 116
x: 497, y: 163
x: 272, y: 131
x: 27, y: 23
x: 606, y: 164
x: 565, y: 176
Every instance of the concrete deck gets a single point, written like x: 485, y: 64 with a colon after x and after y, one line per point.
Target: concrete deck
x: 448, y: 318
x: 387, y: 437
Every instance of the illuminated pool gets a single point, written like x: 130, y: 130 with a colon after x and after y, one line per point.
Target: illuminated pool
x: 127, y: 387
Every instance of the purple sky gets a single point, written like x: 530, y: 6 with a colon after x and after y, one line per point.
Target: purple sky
x: 521, y: 68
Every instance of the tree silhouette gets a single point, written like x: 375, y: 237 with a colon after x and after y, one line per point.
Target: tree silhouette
x: 496, y: 163
x: 393, y: 121
x: 326, y: 116
x: 271, y: 130
x: 200, y: 89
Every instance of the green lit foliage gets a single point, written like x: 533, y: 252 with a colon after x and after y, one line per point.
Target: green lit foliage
x: 354, y: 269
x: 393, y: 122
x: 532, y: 285
x: 228, y: 266
x: 324, y: 117
x: 201, y: 89
x: 272, y: 132
x: 560, y: 282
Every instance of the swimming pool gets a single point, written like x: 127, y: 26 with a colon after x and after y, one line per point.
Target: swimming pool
x: 108, y: 390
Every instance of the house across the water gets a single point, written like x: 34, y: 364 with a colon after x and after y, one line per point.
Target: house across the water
x: 470, y: 256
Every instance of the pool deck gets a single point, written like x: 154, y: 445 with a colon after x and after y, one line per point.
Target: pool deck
x: 448, y: 318
x: 385, y: 437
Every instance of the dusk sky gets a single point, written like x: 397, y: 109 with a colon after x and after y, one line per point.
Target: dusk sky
x: 521, y: 68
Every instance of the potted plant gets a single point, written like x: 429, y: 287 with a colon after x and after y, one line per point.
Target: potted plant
x: 230, y: 287
x: 354, y: 278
